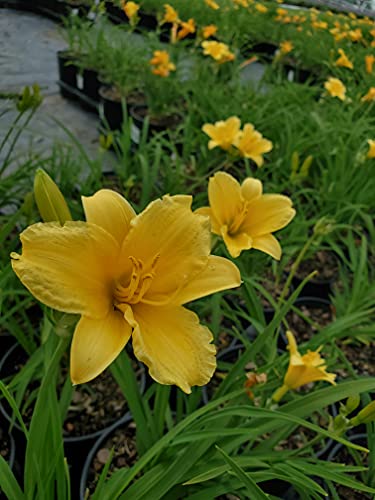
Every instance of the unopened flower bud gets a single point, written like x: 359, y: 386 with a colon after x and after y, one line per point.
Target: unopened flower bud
x: 365, y: 416
x: 352, y: 403
x: 49, y: 199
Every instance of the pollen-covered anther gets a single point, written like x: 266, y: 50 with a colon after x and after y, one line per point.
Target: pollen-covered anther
x: 136, y: 286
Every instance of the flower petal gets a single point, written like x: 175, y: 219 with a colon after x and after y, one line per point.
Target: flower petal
x: 215, y: 227
x: 235, y: 243
x: 174, y: 346
x: 267, y: 214
x: 96, y: 343
x: 267, y: 243
x: 224, y: 194
x: 68, y: 268
x: 219, y: 274
x: 109, y: 210
x: 168, y: 235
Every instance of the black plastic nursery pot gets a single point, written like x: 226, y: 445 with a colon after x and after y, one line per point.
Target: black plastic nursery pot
x: 68, y: 72
x: 91, y: 84
x: 320, y: 287
x: 139, y: 114
x: 111, y: 110
x: 100, y: 452
x: 76, y: 446
x: 115, y: 13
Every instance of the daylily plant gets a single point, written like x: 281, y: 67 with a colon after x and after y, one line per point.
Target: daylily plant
x: 248, y: 217
x: 129, y: 275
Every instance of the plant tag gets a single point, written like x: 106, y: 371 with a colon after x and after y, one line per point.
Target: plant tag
x: 135, y: 134
x: 91, y: 16
x: 75, y: 12
x: 79, y: 82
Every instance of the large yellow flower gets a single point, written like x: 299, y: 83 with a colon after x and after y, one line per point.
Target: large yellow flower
x: 244, y: 217
x: 218, y: 51
x: 131, y: 9
x: 223, y: 133
x: 370, y: 96
x: 251, y: 144
x: 302, y: 369
x: 343, y: 61
x: 129, y: 275
x: 335, y: 88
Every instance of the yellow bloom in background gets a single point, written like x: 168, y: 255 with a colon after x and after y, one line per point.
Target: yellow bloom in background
x: 335, y: 88
x: 131, y: 9
x: 209, y: 30
x: 322, y: 25
x: 286, y: 46
x: 241, y: 3
x: 371, y: 149
x: 343, y: 60
x: 218, y: 51
x: 251, y: 144
x: 355, y: 35
x: 303, y: 369
x: 186, y: 28
x: 162, y: 66
x: 370, y: 96
x: 170, y: 14
x: 261, y: 8
x: 222, y: 133
x: 245, y: 217
x: 281, y: 12
x: 129, y: 275
x: 212, y: 4
x: 369, y: 62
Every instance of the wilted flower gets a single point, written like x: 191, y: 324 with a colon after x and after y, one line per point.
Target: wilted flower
x: 244, y: 217
x: 222, y: 133
x: 302, y: 369
x: 370, y: 96
x: 335, y: 88
x: 371, y: 149
x: 343, y: 60
x: 251, y: 144
x: 253, y: 379
x: 218, y: 51
x: 161, y: 63
x: 129, y: 275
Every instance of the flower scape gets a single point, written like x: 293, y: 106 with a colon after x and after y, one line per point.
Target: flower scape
x: 187, y: 281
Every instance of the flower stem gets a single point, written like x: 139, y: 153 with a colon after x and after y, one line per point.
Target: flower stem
x: 280, y: 392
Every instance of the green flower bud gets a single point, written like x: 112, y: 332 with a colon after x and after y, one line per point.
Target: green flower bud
x: 49, y: 199
x: 365, y: 416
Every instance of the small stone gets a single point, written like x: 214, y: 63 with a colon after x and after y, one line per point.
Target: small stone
x: 103, y: 455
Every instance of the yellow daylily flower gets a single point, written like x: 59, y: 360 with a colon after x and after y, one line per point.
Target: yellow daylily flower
x: 251, y: 144
x: 129, y: 275
x: 371, y: 149
x: 369, y: 62
x: 335, y: 88
x: 286, y: 46
x: 130, y: 9
x: 218, y: 51
x: 343, y: 60
x: 261, y: 8
x: 223, y: 133
x: 302, y: 369
x: 212, y: 4
x: 161, y: 63
x: 185, y: 29
x: 370, y: 95
x: 355, y: 35
x: 244, y: 217
x: 170, y: 14
x: 209, y: 30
